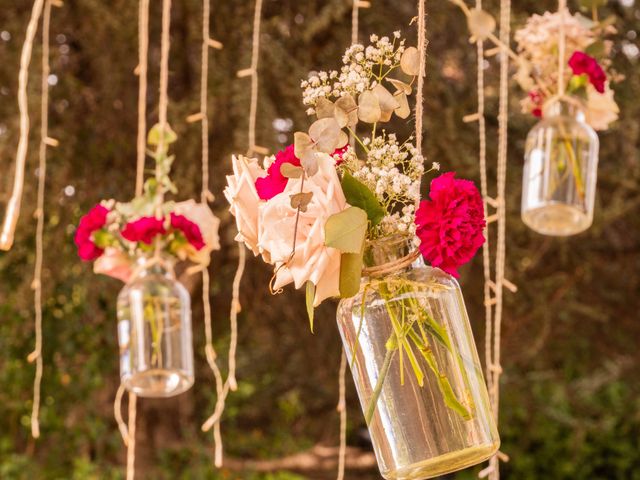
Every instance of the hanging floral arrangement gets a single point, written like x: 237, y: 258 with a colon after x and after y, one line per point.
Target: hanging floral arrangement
x: 139, y: 242
x: 340, y: 219
x: 565, y: 69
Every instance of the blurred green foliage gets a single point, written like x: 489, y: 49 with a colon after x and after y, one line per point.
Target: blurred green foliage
x: 570, y: 390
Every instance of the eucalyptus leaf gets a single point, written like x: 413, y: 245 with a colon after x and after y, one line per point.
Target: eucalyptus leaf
x: 386, y: 101
x: 359, y: 195
x: 410, y: 61
x: 368, y: 107
x: 400, y: 85
x: 324, y: 108
x: 403, y: 110
x: 310, y: 299
x: 481, y: 24
x: 596, y: 49
x: 302, y: 144
x: 350, y: 273
x: 301, y: 200
x: 324, y: 133
x: 309, y: 162
x: 349, y: 106
x: 346, y: 230
x: 289, y: 170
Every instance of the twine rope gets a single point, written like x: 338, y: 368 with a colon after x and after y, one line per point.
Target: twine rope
x: 503, y: 119
x: 39, y: 214
x: 562, y: 9
x: 13, y: 205
x: 255, y: 53
x: 117, y: 414
x: 391, y: 267
x: 419, y: 110
x: 143, y: 61
x: 131, y: 437
x: 342, y: 410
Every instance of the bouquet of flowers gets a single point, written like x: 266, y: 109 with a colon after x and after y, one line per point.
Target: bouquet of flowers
x: 310, y: 208
x: 114, y: 234
x: 589, y: 75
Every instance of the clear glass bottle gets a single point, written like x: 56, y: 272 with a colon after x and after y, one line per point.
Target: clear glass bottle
x: 426, y: 403
x: 560, y: 171
x: 154, y: 331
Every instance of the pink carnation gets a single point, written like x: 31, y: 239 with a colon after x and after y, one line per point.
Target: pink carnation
x: 94, y: 220
x: 275, y: 183
x: 144, y: 229
x: 190, y: 229
x: 450, y: 224
x: 581, y: 63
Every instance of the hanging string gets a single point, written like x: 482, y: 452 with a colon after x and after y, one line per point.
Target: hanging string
x: 562, y: 9
x: 39, y: 214
x: 342, y: 409
x: 164, y: 83
x: 503, y: 119
x: 131, y: 437
x: 255, y: 50
x: 117, y: 414
x: 422, y: 43
x: 355, y: 21
x: 143, y: 53
x: 13, y: 205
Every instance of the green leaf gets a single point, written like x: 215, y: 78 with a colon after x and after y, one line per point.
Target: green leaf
x: 596, y: 49
x: 359, y: 195
x: 577, y: 82
x: 350, y: 273
x: 311, y: 295
x: 153, y: 138
x: 345, y: 231
x: 102, y: 238
x: 590, y: 4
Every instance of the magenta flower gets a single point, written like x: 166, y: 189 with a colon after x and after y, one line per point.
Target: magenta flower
x: 581, y: 63
x: 274, y: 183
x: 94, y: 220
x: 144, y: 229
x: 189, y: 229
x: 450, y: 223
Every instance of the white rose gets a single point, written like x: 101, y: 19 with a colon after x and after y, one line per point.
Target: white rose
x: 243, y: 200
x: 313, y: 261
x: 601, y: 109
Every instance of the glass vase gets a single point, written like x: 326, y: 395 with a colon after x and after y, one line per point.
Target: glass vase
x: 415, y: 366
x: 154, y: 331
x: 560, y: 171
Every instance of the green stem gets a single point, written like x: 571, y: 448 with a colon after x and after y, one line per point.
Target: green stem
x: 373, y: 401
x: 358, y: 139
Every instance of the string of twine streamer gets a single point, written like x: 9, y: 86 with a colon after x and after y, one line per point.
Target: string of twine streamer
x: 562, y: 9
x: 39, y: 214
x: 255, y: 51
x: 143, y: 54
x: 391, y: 267
x: 503, y: 119
x: 13, y: 205
x: 482, y: 146
x: 342, y: 410
x: 131, y: 437
x: 422, y: 49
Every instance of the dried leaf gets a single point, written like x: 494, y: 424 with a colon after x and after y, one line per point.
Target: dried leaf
x: 324, y: 108
x: 403, y: 110
x: 309, y: 163
x: 410, y: 61
x: 324, y: 133
x: 289, y: 170
x: 302, y: 144
x: 349, y: 106
x: 301, y: 200
x: 310, y: 298
x: 481, y: 24
x: 343, y: 139
x: 341, y: 117
x: 369, y: 107
x: 400, y: 85
x: 350, y: 273
x: 387, y: 103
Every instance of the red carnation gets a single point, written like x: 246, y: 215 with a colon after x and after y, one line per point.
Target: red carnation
x: 581, y: 63
x: 338, y: 154
x: 190, y: 229
x: 94, y: 220
x: 450, y: 224
x: 144, y: 229
x: 538, y: 101
x: 275, y: 183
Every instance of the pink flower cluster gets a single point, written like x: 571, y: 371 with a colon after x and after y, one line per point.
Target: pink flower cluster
x: 94, y: 220
x: 581, y: 63
x: 450, y: 223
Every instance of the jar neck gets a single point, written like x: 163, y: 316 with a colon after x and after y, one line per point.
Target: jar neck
x: 564, y: 108
x: 389, y: 255
x: 154, y: 265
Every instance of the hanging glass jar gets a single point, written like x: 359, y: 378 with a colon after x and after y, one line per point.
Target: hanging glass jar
x: 154, y: 331
x: 415, y: 366
x: 560, y: 170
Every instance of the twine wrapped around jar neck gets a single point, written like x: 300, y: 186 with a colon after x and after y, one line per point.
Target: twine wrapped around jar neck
x: 147, y: 263
x: 389, y: 255
x: 564, y: 105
